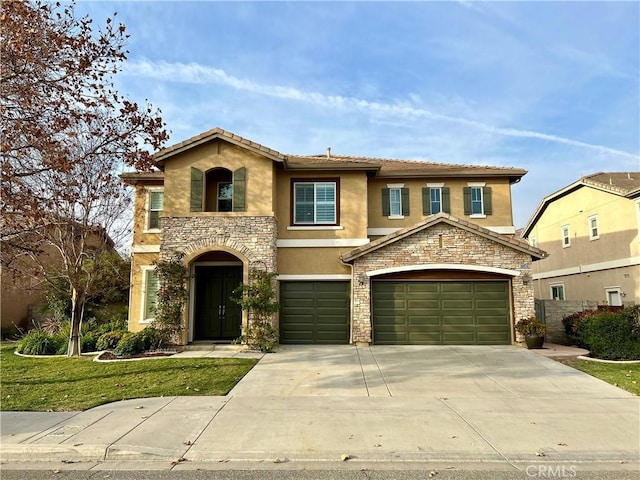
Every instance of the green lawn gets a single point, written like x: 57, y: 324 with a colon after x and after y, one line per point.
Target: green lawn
x: 72, y: 384
x: 625, y: 376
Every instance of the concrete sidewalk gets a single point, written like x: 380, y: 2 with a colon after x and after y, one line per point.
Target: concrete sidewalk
x: 446, y: 406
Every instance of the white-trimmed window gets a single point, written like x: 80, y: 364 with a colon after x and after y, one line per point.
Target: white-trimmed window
x: 614, y: 296
x: 477, y: 200
x: 435, y: 199
x: 315, y: 203
x: 395, y: 201
x: 566, y: 236
x: 154, y: 207
x: 594, y: 231
x: 150, y: 288
x: 557, y: 291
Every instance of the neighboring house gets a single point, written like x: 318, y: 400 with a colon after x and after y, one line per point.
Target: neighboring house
x: 23, y: 285
x: 367, y: 250
x: 590, y: 231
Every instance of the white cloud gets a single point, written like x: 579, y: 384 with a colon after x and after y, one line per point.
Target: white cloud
x: 194, y: 73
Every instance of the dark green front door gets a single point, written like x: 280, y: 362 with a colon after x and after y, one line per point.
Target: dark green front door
x: 216, y: 316
x: 441, y: 313
x: 314, y: 312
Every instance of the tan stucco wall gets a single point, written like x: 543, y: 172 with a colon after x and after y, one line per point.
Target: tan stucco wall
x: 259, y: 186
x: 618, y: 242
x: 312, y: 261
x: 500, y: 193
x: 138, y: 260
x: 353, y: 205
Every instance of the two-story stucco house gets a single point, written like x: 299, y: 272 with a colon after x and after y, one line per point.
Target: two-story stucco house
x: 590, y: 230
x: 367, y: 250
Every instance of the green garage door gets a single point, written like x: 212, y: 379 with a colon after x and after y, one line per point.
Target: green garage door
x: 314, y: 312
x: 441, y: 313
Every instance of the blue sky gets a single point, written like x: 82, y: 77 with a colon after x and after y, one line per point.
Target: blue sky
x: 552, y: 87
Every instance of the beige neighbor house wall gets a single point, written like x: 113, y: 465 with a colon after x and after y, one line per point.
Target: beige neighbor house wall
x: 589, y: 266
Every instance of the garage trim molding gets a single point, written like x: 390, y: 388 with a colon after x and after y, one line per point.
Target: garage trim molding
x: 444, y: 266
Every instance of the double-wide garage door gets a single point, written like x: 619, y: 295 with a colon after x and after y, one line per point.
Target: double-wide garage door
x: 441, y: 313
x: 314, y: 312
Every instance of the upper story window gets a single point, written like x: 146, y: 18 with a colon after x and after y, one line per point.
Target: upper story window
x: 225, y: 196
x: 566, y: 237
x: 155, y: 205
x: 435, y: 199
x: 477, y: 200
x: 594, y: 232
x: 395, y: 201
x: 218, y: 190
x: 315, y: 202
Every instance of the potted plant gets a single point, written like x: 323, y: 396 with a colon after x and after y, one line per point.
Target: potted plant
x: 533, y: 331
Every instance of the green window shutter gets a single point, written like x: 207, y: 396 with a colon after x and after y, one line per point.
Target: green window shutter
x: 486, y: 198
x: 151, y: 294
x: 196, y: 189
x: 466, y: 193
x: 426, y: 202
x: 404, y: 192
x: 386, y: 207
x: 446, y: 202
x: 239, y: 189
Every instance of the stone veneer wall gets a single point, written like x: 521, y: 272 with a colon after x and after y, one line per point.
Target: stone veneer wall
x: 459, y: 246
x: 252, y: 236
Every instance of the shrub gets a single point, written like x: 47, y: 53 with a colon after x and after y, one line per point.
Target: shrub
x: 611, y: 335
x: 261, y: 335
x: 574, y: 323
x: 109, y: 340
x: 88, y: 342
x: 38, y: 342
x: 129, y: 344
x: 151, y: 338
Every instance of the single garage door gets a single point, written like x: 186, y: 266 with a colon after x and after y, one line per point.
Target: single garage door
x: 314, y: 312
x: 441, y: 313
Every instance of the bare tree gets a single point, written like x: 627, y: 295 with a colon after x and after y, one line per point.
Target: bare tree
x: 66, y: 132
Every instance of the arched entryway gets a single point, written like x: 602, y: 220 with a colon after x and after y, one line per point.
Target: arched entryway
x: 214, y: 316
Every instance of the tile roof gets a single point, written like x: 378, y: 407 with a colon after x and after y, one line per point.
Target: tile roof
x: 617, y: 182
x: 217, y: 132
x: 134, y: 177
x: 385, y: 167
x: 396, y: 167
x: 431, y: 220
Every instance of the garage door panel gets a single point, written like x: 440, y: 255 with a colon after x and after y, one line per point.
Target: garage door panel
x: 450, y: 313
x: 314, y: 312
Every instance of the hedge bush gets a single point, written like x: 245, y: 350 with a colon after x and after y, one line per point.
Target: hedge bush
x: 608, y: 335
x: 130, y: 344
x: 109, y: 340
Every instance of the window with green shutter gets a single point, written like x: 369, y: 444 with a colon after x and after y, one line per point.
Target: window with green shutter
x: 477, y: 200
x: 395, y: 201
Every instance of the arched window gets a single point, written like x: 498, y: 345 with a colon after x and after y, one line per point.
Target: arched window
x: 218, y: 190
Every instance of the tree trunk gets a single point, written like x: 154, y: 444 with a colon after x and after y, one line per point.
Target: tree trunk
x: 77, y: 307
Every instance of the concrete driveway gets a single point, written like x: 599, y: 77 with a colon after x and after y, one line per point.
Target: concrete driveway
x: 436, y: 407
